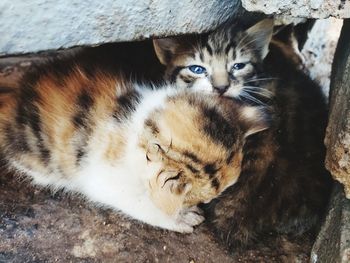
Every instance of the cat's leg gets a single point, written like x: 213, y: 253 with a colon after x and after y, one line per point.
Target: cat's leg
x: 133, y: 199
x: 168, y: 194
x: 231, y: 222
x: 183, y: 221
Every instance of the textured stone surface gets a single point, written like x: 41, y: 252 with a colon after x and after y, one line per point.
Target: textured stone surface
x: 333, y: 242
x: 318, y: 51
x: 34, y: 25
x: 338, y: 131
x: 301, y: 8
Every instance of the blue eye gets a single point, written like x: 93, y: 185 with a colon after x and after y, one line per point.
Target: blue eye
x: 197, y: 69
x: 238, y: 66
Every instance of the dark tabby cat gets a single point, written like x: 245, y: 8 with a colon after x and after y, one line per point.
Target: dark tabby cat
x: 283, y: 186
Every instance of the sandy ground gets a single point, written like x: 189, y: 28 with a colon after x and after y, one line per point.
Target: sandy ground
x: 39, y: 226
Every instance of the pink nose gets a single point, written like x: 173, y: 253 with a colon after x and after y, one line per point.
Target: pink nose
x: 221, y: 89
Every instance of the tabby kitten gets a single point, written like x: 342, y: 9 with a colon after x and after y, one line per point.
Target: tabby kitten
x: 152, y: 154
x: 283, y: 186
x: 225, y: 61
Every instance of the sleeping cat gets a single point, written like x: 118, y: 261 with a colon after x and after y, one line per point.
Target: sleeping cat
x: 283, y: 186
x: 153, y: 154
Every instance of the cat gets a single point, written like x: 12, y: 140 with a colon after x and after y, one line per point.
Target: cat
x: 283, y: 187
x: 152, y: 153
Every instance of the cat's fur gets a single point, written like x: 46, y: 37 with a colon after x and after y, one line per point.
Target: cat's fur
x: 283, y: 186
x: 153, y: 154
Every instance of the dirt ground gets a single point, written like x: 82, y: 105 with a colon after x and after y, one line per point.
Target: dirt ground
x: 37, y: 225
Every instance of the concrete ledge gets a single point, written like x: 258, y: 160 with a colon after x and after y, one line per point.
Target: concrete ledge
x: 35, y: 25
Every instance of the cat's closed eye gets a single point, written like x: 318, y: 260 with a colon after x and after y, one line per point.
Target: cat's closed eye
x: 171, y: 181
x: 172, y: 178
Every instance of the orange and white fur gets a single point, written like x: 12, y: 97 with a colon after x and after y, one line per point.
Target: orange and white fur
x: 153, y: 154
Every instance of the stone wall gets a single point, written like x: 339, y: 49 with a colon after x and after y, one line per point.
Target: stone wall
x: 35, y: 25
x: 338, y: 130
x: 333, y: 241
x: 309, y: 8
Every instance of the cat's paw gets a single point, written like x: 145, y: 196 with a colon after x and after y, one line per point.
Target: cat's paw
x: 188, y: 218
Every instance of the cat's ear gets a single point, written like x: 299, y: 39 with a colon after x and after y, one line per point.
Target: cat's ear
x: 165, y: 48
x: 259, y: 36
x: 256, y: 119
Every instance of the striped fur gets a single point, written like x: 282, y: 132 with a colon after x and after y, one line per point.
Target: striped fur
x: 219, y: 52
x: 152, y: 154
x: 283, y: 187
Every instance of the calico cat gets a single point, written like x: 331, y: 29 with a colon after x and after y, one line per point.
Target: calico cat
x: 153, y: 154
x: 283, y: 186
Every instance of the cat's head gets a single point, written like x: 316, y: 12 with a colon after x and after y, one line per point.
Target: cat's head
x: 198, y: 139
x: 225, y: 61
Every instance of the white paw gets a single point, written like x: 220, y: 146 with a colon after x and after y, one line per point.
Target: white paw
x: 188, y: 218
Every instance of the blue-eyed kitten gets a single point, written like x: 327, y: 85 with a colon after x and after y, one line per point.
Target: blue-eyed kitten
x: 227, y: 61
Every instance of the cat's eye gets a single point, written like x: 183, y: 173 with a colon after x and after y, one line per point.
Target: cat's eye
x: 197, y: 69
x: 238, y: 66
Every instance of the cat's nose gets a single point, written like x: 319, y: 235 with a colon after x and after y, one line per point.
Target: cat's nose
x: 221, y: 89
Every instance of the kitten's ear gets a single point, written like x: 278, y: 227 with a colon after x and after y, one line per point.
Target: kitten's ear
x: 256, y: 119
x: 260, y: 36
x: 165, y: 48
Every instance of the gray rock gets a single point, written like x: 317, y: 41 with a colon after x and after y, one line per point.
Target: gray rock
x: 333, y: 242
x: 35, y: 25
x: 338, y: 131
x: 309, y: 9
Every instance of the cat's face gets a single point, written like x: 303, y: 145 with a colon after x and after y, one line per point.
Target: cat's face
x: 226, y: 61
x: 199, y: 140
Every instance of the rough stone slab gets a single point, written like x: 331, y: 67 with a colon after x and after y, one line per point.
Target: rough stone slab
x: 35, y: 25
x: 333, y: 242
x: 338, y: 131
x: 300, y: 8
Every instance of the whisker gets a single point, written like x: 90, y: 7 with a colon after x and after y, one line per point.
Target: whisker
x: 268, y: 96
x: 258, y: 89
x: 259, y: 79
x: 251, y: 98
x: 243, y: 38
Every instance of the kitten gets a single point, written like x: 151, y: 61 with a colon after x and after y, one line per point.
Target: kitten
x: 153, y: 154
x: 283, y: 186
x: 225, y: 61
